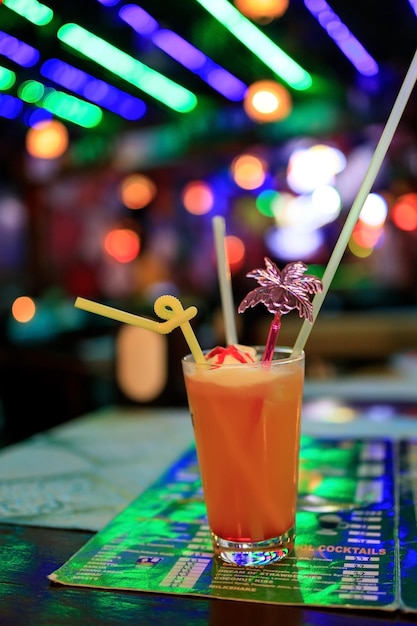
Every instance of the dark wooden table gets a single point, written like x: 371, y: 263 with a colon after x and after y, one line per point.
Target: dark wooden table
x: 28, y: 598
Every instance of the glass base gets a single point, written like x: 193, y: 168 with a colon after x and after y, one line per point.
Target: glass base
x: 255, y: 553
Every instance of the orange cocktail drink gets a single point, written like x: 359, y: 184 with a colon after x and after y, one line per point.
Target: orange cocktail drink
x: 246, y: 419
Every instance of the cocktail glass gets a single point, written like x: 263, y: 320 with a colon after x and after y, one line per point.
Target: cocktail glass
x: 246, y: 420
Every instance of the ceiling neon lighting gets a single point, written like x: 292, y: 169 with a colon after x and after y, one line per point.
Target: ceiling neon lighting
x: 138, y: 74
x: 70, y: 77
x: 10, y: 107
x: 184, y: 53
x: 17, y: 51
x: 258, y: 43
x: 62, y: 105
x: 343, y: 38
x: 32, y: 10
x: 93, y: 89
x: 7, y: 78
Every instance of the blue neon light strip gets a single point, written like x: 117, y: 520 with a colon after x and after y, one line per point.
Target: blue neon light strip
x: 18, y: 51
x: 168, y: 92
x: 93, y: 89
x: 184, y: 53
x: 10, y: 107
x: 353, y: 50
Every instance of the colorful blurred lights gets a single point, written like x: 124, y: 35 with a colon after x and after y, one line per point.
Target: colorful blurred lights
x: 374, y: 211
x: 10, y: 107
x: 128, y: 68
x: 294, y: 243
x: 262, y: 11
x: 137, y: 191
x: 184, y: 52
x: 366, y: 236
x: 359, y: 251
x: 93, y: 89
x: 60, y: 104
x: 7, y: 78
x: 368, y: 232
x: 47, y: 140
x: 267, y: 101
x: 32, y: 10
x: 310, y: 211
x: 326, y: 204
x: 248, y: 171
x: 265, y: 202
x: 309, y: 168
x: 258, y: 43
x: 235, y: 252
x: 123, y: 244
x: 23, y: 309
x: 18, y: 51
x: 197, y: 197
x: 404, y: 212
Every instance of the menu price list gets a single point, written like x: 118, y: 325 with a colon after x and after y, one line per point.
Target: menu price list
x: 345, y: 553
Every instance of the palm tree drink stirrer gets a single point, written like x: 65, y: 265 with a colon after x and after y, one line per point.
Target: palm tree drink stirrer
x: 281, y: 291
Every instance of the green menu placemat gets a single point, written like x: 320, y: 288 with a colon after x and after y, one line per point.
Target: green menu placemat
x: 407, y: 527
x: 345, y: 552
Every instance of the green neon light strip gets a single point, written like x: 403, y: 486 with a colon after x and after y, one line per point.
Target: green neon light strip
x: 7, y: 78
x: 259, y: 44
x: 134, y: 72
x: 61, y: 104
x: 31, y: 10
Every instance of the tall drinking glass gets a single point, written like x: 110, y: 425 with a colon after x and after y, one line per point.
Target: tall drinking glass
x: 246, y: 420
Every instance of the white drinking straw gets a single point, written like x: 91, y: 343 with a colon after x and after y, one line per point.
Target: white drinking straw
x: 223, y: 270
x: 359, y: 201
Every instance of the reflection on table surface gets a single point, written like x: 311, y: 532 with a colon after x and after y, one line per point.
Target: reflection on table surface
x: 81, y: 473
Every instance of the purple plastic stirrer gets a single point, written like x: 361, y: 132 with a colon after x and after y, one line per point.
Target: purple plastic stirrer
x: 281, y: 292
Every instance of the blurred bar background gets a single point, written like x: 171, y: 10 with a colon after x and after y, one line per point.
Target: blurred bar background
x: 126, y: 127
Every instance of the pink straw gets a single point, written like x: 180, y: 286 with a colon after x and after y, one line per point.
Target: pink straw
x: 272, y: 338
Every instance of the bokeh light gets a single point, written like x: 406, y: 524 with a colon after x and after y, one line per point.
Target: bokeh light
x: 309, y: 168
x: 267, y: 101
x: 404, y: 212
x: 311, y: 211
x: 374, y: 211
x: 235, y: 249
x: 197, y: 197
x: 294, y: 243
x: 366, y: 236
x: 248, y: 171
x: 123, y: 244
x: 362, y: 252
x: 141, y: 363
x: 47, y: 140
x: 137, y: 191
x: 262, y: 11
x: 265, y: 202
x: 368, y: 232
x: 23, y: 309
x: 326, y: 205
x: 281, y: 207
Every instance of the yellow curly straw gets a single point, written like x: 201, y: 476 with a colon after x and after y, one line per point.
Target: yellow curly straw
x: 167, y: 307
